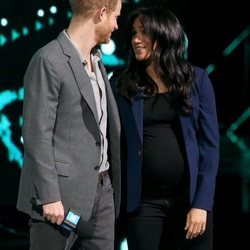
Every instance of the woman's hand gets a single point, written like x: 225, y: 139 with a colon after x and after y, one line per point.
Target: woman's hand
x: 196, y: 222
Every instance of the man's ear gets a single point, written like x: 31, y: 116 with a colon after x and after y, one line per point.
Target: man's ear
x: 101, y: 13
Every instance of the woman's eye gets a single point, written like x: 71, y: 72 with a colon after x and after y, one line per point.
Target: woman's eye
x: 133, y: 32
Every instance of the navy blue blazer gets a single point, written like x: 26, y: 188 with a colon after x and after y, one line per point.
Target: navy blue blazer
x: 201, y: 138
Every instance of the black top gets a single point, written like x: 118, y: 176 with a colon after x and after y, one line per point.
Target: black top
x: 164, y: 171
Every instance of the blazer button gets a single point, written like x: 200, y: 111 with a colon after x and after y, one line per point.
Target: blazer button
x: 98, y: 144
x: 139, y: 152
x: 97, y: 168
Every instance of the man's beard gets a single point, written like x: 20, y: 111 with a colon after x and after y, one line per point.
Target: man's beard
x: 103, y: 36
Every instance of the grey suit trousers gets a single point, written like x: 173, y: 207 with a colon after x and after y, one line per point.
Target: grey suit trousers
x: 46, y: 236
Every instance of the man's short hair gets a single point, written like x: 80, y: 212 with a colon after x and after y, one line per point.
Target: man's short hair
x: 87, y: 7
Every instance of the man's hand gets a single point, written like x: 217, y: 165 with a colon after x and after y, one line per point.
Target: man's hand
x: 54, y: 212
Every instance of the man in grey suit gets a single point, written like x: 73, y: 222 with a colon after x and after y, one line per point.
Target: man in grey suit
x: 71, y: 133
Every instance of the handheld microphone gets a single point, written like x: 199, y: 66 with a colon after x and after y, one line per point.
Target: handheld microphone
x: 71, y: 222
x: 74, y: 222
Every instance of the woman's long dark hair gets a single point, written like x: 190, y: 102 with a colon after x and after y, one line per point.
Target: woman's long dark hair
x: 162, y: 27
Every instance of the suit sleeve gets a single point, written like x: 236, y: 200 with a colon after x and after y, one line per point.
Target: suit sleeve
x: 41, y: 92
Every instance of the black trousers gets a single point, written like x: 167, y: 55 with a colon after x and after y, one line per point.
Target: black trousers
x: 159, y: 224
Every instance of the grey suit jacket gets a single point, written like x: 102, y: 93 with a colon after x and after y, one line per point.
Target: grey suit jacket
x: 61, y: 133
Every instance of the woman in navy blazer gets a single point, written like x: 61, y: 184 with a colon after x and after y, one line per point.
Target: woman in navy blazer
x: 171, y: 138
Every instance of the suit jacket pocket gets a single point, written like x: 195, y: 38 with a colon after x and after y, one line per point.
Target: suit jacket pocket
x: 63, y: 169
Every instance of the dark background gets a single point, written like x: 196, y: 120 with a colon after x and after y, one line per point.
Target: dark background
x: 211, y: 26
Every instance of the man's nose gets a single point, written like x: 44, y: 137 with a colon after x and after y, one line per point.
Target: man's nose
x: 116, y: 26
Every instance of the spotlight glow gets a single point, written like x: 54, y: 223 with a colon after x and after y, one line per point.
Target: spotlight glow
x: 53, y: 9
x: 40, y: 13
x: 108, y: 49
x: 4, y: 22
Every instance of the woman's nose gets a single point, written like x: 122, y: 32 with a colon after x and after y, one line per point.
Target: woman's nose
x: 136, y: 39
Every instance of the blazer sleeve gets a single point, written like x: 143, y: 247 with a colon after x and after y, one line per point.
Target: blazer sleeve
x: 41, y: 92
x: 208, y: 144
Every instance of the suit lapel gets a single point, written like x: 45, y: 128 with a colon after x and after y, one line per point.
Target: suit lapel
x: 80, y: 74
x: 84, y: 84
